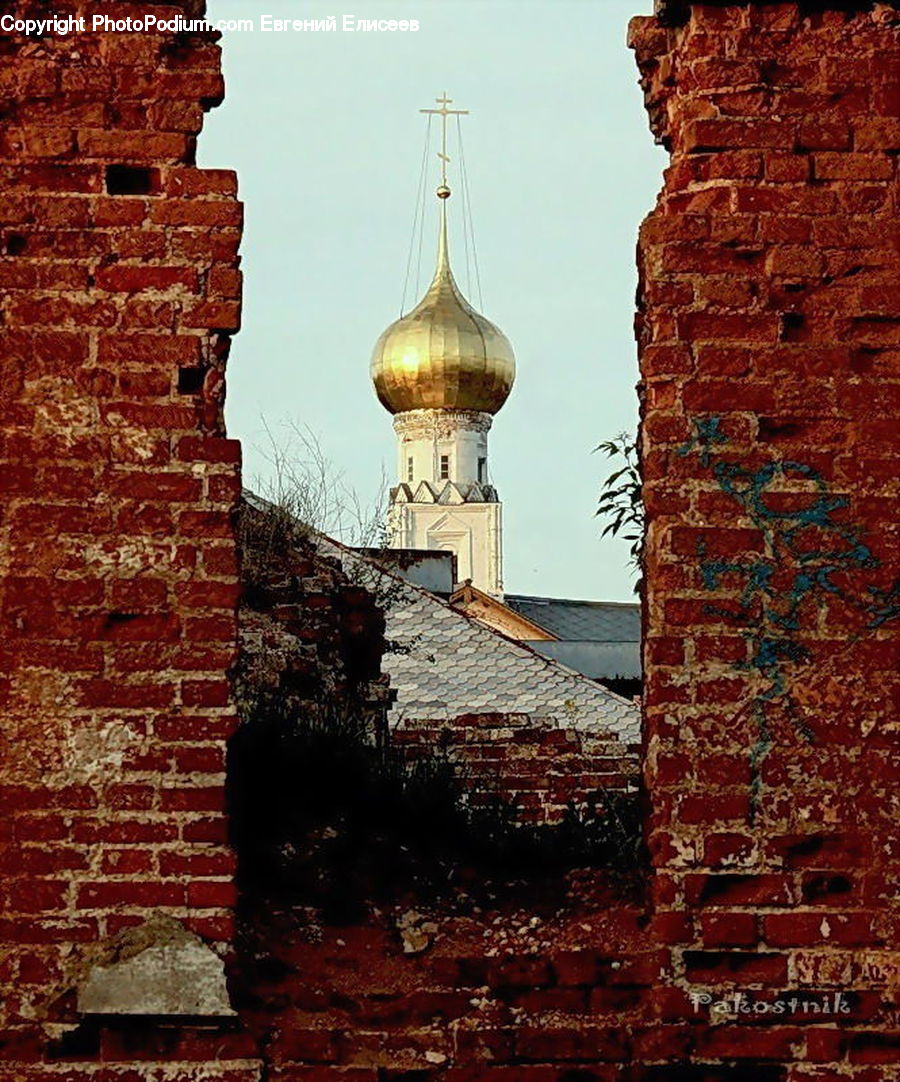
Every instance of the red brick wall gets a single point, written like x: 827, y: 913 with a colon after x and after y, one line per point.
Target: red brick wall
x: 308, y: 633
x: 532, y: 764
x: 527, y: 990
x: 769, y: 331
x: 116, y: 540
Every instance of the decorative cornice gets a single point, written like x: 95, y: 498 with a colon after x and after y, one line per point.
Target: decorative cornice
x: 452, y: 494
x: 440, y: 424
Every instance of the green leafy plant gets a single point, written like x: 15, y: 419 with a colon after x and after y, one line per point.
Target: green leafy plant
x: 620, y: 505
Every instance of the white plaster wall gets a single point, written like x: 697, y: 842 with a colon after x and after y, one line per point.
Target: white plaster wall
x: 428, y: 434
x: 473, y: 531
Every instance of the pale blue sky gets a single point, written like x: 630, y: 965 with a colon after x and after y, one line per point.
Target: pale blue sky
x: 324, y: 132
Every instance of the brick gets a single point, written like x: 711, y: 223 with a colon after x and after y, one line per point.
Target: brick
x: 714, y: 808
x: 727, y: 849
x: 875, y: 166
x: 212, y: 894
x: 703, y: 326
x: 742, y: 967
x: 720, y: 134
x: 224, y: 282
x: 874, y: 1048
x: 200, y: 864
x: 211, y: 830
x: 794, y: 262
x: 126, y: 279
x: 130, y: 349
x: 114, y: 211
x: 216, y: 315
x: 818, y: 134
x: 294, y: 1073
x: 203, y: 799
x: 690, y: 541
x: 820, y: 850
x: 736, y: 889
x: 139, y: 894
x: 209, y: 449
x: 876, y: 133
x: 729, y: 929
x: 736, y: 1042
x: 208, y: 595
x: 190, y: 182
x: 121, y: 831
x: 567, y: 1044
x: 824, y: 888
x: 787, y: 167
x: 127, y: 862
x: 195, y: 212
x: 804, y: 929
x: 205, y: 692
x: 129, y: 146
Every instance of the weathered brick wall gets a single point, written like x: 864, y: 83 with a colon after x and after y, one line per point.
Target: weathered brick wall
x: 309, y: 634
x: 120, y: 289
x: 529, y: 989
x: 534, y: 765
x: 769, y: 330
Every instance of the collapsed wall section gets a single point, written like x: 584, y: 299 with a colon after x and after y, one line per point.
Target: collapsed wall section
x: 769, y: 333
x: 117, y: 551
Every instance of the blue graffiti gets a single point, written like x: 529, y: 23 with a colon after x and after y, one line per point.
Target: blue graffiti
x: 805, y: 548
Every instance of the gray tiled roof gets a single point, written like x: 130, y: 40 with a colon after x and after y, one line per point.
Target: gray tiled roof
x: 456, y: 666
x: 598, y: 660
x: 448, y: 664
x: 583, y: 621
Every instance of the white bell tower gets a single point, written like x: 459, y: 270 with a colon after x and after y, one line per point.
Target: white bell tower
x: 444, y: 370
x: 445, y: 499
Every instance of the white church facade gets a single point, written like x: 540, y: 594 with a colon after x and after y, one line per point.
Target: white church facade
x: 445, y: 500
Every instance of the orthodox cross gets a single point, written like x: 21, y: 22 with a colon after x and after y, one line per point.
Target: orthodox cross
x: 443, y: 112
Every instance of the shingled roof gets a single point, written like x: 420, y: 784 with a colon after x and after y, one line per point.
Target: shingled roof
x: 445, y: 664
x: 451, y: 665
x: 585, y: 621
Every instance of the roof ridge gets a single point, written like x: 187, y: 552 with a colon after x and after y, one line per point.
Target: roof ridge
x: 480, y: 628
x: 573, y: 601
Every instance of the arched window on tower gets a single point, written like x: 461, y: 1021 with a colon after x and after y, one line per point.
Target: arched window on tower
x: 482, y: 470
x: 410, y: 472
x: 444, y: 468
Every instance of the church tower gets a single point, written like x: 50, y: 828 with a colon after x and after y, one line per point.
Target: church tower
x: 443, y: 371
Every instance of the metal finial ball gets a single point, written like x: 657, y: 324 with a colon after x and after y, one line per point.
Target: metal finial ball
x: 443, y: 192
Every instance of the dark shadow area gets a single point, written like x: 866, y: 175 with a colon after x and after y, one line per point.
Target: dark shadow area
x: 323, y: 817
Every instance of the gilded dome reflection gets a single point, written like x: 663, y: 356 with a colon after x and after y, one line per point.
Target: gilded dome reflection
x: 443, y: 354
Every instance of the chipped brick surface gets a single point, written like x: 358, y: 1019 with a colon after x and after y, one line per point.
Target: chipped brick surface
x: 117, y: 552
x: 768, y: 320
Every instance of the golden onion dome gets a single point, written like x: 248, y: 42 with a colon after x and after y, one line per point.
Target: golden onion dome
x: 443, y: 354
